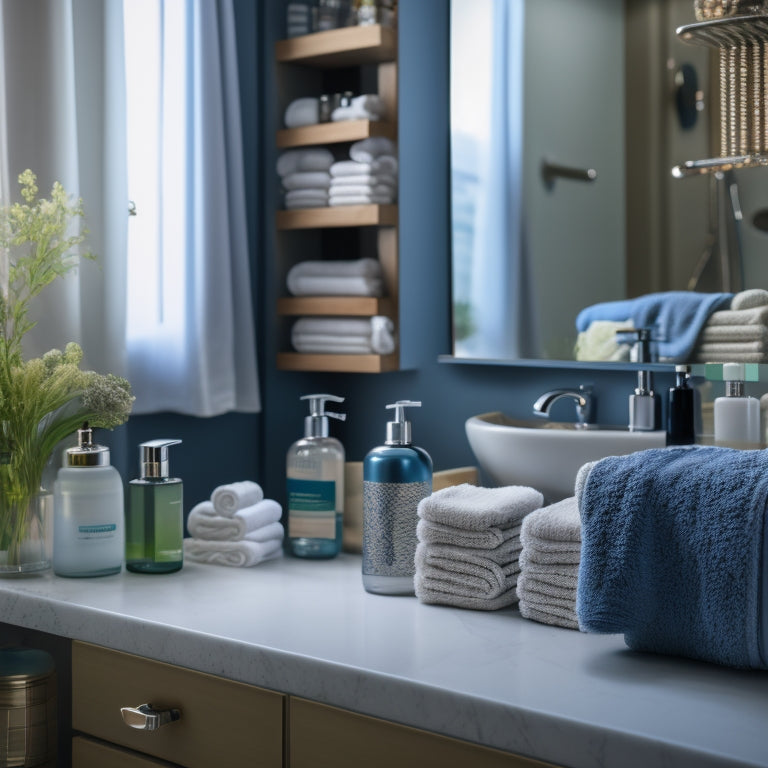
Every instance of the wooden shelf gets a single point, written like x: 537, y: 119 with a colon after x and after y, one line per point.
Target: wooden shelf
x: 298, y: 361
x: 334, y: 133
x: 354, y: 306
x: 338, y: 216
x: 348, y: 46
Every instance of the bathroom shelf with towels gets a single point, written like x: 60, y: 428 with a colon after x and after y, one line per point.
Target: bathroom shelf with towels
x: 334, y: 133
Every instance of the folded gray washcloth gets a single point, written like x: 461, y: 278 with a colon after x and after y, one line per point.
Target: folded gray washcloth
x: 558, y: 522
x: 473, y: 508
x: 725, y: 334
x: 755, y: 316
x: 558, y: 617
x: 545, y: 590
x: 503, y: 555
x: 490, y: 538
x: 558, y: 574
x: 435, y: 596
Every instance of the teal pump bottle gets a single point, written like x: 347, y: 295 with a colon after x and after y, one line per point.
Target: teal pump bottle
x: 154, y: 525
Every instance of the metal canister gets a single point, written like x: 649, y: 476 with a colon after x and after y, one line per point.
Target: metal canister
x: 28, y: 708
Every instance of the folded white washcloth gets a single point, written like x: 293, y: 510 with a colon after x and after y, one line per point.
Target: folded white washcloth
x: 564, y: 575
x: 725, y: 334
x: 295, y: 160
x: 365, y: 267
x: 228, y: 498
x: 307, y: 180
x: 752, y: 297
x: 544, y: 587
x: 488, y: 538
x: 750, y: 316
x: 476, y: 508
x: 731, y: 356
x: 365, y: 107
x: 358, y: 190
x: 306, y: 198
x: 339, y: 200
x: 711, y: 350
x: 559, y: 522
x: 375, y: 333
x: 506, y: 553
x: 304, y: 111
x: 250, y: 522
x: 436, y: 586
x: 311, y: 285
x: 367, y: 150
x: 548, y: 614
x: 242, y: 553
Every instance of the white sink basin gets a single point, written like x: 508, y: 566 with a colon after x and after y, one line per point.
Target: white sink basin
x: 547, y: 455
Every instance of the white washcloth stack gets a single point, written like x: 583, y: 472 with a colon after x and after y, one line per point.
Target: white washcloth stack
x: 549, y: 564
x: 369, y: 177
x: 336, y: 277
x: 237, y: 526
x: 369, y: 106
x: 344, y: 335
x: 469, y: 544
x: 305, y: 177
x: 738, y: 334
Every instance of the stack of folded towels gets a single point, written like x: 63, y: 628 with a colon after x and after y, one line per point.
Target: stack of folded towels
x: 369, y: 106
x: 336, y: 277
x: 549, y: 564
x: 469, y: 543
x: 237, y: 527
x: 305, y: 177
x: 368, y: 177
x: 738, y: 334
x: 344, y: 335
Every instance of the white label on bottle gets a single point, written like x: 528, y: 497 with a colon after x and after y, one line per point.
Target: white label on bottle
x: 105, y: 531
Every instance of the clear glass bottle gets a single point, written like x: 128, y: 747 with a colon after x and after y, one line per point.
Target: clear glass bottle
x: 154, y: 531
x: 315, y: 477
x: 88, y: 522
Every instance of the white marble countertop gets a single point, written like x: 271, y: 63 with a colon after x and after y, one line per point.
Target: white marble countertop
x: 309, y: 629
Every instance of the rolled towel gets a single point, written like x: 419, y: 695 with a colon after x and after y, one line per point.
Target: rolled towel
x: 295, y: 160
x: 227, y: 499
x: 233, y: 553
x: 749, y: 299
x: 307, y: 180
x: 249, y: 522
x: 488, y: 538
x: 304, y: 111
x: 474, y: 508
x: 367, y: 150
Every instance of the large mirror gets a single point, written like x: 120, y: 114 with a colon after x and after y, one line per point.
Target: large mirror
x: 567, y: 117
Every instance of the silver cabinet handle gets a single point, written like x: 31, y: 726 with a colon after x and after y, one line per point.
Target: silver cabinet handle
x: 551, y: 171
x: 146, y: 718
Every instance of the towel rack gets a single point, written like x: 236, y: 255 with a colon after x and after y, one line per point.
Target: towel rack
x: 551, y: 171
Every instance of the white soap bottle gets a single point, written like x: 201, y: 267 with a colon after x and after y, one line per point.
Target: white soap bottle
x: 737, y: 416
x: 88, y: 520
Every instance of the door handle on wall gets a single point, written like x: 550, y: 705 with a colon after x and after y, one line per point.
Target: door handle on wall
x: 551, y: 171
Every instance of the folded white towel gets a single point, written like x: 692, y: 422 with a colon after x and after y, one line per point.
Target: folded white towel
x: 365, y: 267
x: 507, y: 552
x: 310, y: 285
x: 730, y: 356
x: 556, y: 522
x: 367, y: 150
x: 357, y: 190
x: 554, y: 585
x: 725, y: 334
x: 599, y: 342
x: 710, y: 351
x: 488, y: 538
x: 548, y: 614
x: 233, y: 553
x: 365, y: 107
x: 311, y: 346
x: 561, y: 574
x: 541, y: 594
x: 751, y: 316
x: 295, y: 160
x: 476, y: 508
x: 306, y: 198
x: 341, y: 200
x: 307, y: 180
x: 228, y: 498
x: 546, y: 552
x: 304, y: 111
x: 374, y: 335
x: 255, y: 522
x: 752, y: 297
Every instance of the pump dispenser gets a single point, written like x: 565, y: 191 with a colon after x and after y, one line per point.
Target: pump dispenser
x: 737, y: 416
x: 315, y: 475
x: 644, y: 403
x: 155, y: 517
x: 681, y: 409
x: 88, y: 524
x: 396, y: 477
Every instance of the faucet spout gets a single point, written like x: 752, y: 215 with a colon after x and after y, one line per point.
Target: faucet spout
x: 583, y: 397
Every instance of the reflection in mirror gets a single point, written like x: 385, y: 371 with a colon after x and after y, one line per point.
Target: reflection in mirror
x: 609, y: 95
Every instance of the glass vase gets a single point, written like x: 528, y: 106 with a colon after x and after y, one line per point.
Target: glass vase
x: 26, y: 538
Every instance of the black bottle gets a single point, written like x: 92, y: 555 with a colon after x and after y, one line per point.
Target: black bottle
x: 681, y: 409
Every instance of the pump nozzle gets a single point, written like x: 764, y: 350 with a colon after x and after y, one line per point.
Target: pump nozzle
x: 154, y: 458
x: 316, y: 424
x: 399, y: 430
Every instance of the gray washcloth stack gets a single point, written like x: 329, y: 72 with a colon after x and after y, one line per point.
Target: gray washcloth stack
x: 468, y: 545
x: 549, y: 564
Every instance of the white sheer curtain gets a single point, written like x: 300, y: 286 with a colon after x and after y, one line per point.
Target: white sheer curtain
x: 182, y: 330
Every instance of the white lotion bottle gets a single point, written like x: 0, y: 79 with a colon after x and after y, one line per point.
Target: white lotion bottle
x: 88, y: 520
x: 737, y: 416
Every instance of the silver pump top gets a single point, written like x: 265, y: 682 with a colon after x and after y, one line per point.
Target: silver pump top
x: 734, y: 376
x: 399, y: 430
x: 154, y: 458
x: 682, y: 374
x: 316, y: 424
x: 86, y: 453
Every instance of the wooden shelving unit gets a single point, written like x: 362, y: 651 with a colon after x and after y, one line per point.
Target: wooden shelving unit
x: 348, y: 47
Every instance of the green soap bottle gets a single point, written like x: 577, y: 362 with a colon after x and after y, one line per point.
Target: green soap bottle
x: 154, y: 524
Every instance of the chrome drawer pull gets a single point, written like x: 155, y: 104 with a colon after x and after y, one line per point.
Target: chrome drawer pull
x: 145, y: 718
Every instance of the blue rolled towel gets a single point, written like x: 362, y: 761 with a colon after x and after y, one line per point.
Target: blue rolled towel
x: 672, y: 543
x: 676, y: 317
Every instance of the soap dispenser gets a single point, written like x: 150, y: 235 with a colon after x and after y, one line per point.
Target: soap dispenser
x: 681, y: 409
x: 737, y: 416
x: 154, y: 530
x: 88, y: 521
x: 396, y: 477
x: 315, y: 475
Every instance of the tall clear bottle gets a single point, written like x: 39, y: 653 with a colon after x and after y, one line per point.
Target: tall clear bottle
x: 154, y: 529
x: 315, y: 476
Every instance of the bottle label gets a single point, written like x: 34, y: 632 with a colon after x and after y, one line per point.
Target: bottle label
x: 106, y: 531
x: 311, y: 509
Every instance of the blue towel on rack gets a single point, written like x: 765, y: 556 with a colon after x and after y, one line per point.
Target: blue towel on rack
x: 676, y: 317
x: 672, y: 542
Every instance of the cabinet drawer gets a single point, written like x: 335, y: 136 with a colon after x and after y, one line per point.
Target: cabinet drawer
x: 325, y: 737
x: 222, y: 722
x: 87, y: 753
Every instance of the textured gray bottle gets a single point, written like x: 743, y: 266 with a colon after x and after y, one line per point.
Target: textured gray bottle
x: 396, y: 477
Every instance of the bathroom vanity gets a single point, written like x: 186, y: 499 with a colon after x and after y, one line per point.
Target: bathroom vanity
x: 292, y: 663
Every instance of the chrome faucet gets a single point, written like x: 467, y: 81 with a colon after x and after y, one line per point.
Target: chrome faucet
x: 584, y: 399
